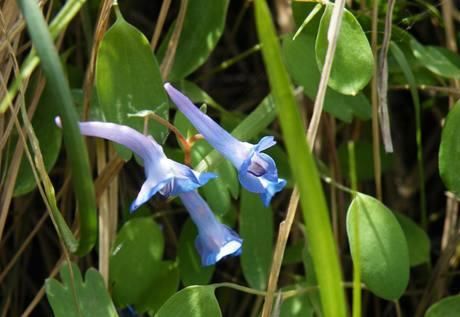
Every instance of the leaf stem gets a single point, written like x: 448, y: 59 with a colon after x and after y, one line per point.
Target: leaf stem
x: 356, y: 258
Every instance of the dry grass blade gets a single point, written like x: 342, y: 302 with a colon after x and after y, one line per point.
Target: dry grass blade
x: 160, y: 23
x: 98, y: 35
x: 168, y: 60
x: 382, y: 81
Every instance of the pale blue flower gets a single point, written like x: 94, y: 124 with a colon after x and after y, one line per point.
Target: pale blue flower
x: 215, y: 240
x: 257, y: 171
x: 163, y: 175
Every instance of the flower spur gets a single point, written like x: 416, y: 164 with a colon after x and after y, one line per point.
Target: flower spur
x: 163, y: 175
x: 257, y: 171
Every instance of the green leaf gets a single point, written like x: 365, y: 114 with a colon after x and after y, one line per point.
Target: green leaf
x: 77, y: 298
x: 49, y: 137
x: 162, y: 286
x: 436, y: 60
x: 135, y: 262
x: 383, y: 250
x: 191, y: 271
x: 128, y: 80
x: 446, y: 307
x: 193, y: 301
x: 418, y: 241
x: 449, y: 151
x: 299, y: 55
x: 216, y: 190
x: 203, y: 25
x: 353, y: 62
x: 256, y: 230
x: 312, y: 199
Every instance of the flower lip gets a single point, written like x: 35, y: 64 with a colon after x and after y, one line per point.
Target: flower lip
x: 215, y: 249
x: 258, y: 172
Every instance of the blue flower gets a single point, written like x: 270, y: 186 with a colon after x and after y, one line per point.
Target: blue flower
x: 256, y: 170
x: 215, y: 240
x: 163, y: 175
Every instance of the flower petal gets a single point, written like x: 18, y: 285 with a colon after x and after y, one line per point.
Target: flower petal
x: 215, y: 248
x: 258, y: 173
x: 148, y: 190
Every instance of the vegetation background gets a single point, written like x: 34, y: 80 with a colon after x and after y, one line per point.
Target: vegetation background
x: 376, y: 232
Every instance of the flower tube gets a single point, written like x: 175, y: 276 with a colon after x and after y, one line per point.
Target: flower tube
x: 257, y: 171
x: 163, y: 175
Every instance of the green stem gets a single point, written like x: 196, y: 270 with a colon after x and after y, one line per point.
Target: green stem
x: 315, y: 211
x: 356, y: 261
x: 405, y: 67
x: 76, y: 150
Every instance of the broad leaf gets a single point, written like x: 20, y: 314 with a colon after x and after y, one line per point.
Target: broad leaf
x: 449, y: 151
x: 441, y: 62
x: 299, y: 55
x: 193, y: 301
x: 353, y: 61
x: 203, y: 25
x: 74, y: 297
x: 128, y: 80
x: 446, y: 307
x: 383, y: 251
x: 418, y: 241
x: 256, y: 229
x: 135, y: 262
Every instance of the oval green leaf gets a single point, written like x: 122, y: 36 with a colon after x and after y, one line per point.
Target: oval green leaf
x: 162, y: 286
x: 418, y: 241
x: 383, y: 251
x: 193, y: 301
x: 135, y: 262
x: 353, y: 61
x: 128, y: 80
x: 449, y: 151
x: 436, y: 59
x: 203, y: 25
x: 256, y: 229
x: 447, y: 307
x: 299, y: 55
